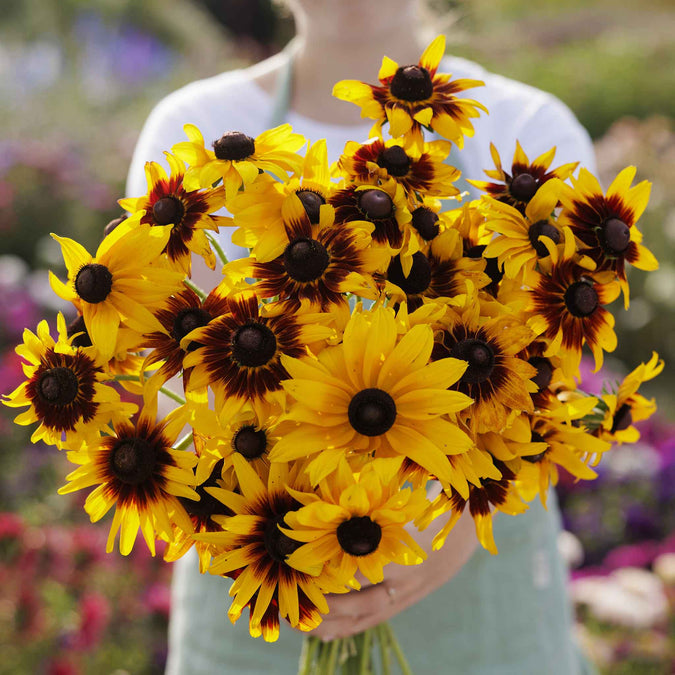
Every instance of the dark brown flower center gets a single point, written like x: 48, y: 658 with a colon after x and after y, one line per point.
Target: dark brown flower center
x: 250, y: 442
x: 305, y: 259
x: 491, y: 264
x: 425, y: 221
x: 614, y: 236
x: 623, y: 418
x: 186, y: 321
x: 419, y: 278
x: 312, y: 201
x: 542, y: 228
x: 168, y: 210
x: 113, y: 224
x: 234, y: 146
x: 253, y: 345
x: 58, y: 386
x: 534, y: 459
x: 359, y: 535
x: 479, y: 355
x: 207, y: 505
x: 93, y: 283
x: 78, y: 326
x: 411, y: 83
x: 277, y: 544
x: 544, y: 371
x: 395, y: 161
x: 133, y: 460
x: 375, y: 204
x: 372, y: 412
x: 581, y: 299
x: 523, y: 187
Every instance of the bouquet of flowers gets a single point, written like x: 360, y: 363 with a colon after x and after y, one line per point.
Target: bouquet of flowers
x: 371, y: 344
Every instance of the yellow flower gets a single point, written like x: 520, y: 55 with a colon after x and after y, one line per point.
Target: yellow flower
x: 238, y: 159
x: 374, y: 392
x: 119, y: 283
x: 521, y: 185
x: 410, y: 97
x: 183, y: 215
x: 65, y: 391
x: 138, y: 472
x: 605, y: 224
x: 357, y: 523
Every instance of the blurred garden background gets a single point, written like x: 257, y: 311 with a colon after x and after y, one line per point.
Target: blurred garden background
x: 77, y: 80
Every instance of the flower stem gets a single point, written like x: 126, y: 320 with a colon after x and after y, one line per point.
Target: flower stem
x: 217, y: 248
x: 364, y: 666
x: 192, y: 286
x: 184, y: 442
x: 405, y: 668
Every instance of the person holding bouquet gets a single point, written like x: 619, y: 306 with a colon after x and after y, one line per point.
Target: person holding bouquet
x: 463, y: 610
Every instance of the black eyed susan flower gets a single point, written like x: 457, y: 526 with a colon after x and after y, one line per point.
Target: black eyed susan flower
x: 184, y: 215
x: 518, y: 187
x: 255, y: 552
x: 384, y: 206
x: 239, y: 356
x: 566, y: 307
x: 179, y: 315
x: 440, y: 273
x: 259, y: 210
x: 119, y: 284
x: 493, y: 492
x: 519, y: 246
x: 374, y: 392
x: 420, y: 173
x: 495, y: 378
x: 625, y: 406
x: 410, y: 97
x: 138, y: 472
x: 357, y: 524
x: 605, y: 224
x: 64, y: 390
x: 320, y: 263
x: 238, y: 159
x: 565, y: 442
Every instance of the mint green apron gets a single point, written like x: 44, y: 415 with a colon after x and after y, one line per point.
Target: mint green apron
x: 500, y: 615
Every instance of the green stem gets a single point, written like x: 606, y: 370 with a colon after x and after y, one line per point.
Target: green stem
x: 172, y: 395
x: 364, y: 666
x: 192, y: 286
x: 184, y: 442
x: 217, y: 248
x: 405, y: 668
x: 309, y: 646
x: 385, y: 656
x: 332, y: 657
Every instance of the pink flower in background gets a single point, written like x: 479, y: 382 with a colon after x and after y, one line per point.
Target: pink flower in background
x: 94, y: 617
x: 158, y: 599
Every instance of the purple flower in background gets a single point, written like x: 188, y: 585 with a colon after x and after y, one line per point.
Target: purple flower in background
x: 118, y: 54
x: 637, y: 555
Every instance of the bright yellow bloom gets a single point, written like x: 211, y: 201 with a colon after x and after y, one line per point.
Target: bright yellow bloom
x: 138, y: 472
x: 64, y: 390
x: 119, y: 284
x: 374, y: 392
x: 357, y: 523
x: 415, y: 96
x: 237, y: 159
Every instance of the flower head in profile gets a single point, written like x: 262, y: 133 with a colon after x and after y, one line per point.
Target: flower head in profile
x: 238, y: 159
x: 182, y: 214
x: 414, y: 96
x: 137, y: 471
x: 64, y: 390
x: 119, y: 283
x: 519, y: 185
x: 625, y: 406
x: 605, y: 224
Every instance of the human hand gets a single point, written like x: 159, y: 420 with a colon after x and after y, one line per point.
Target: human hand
x: 403, y: 585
